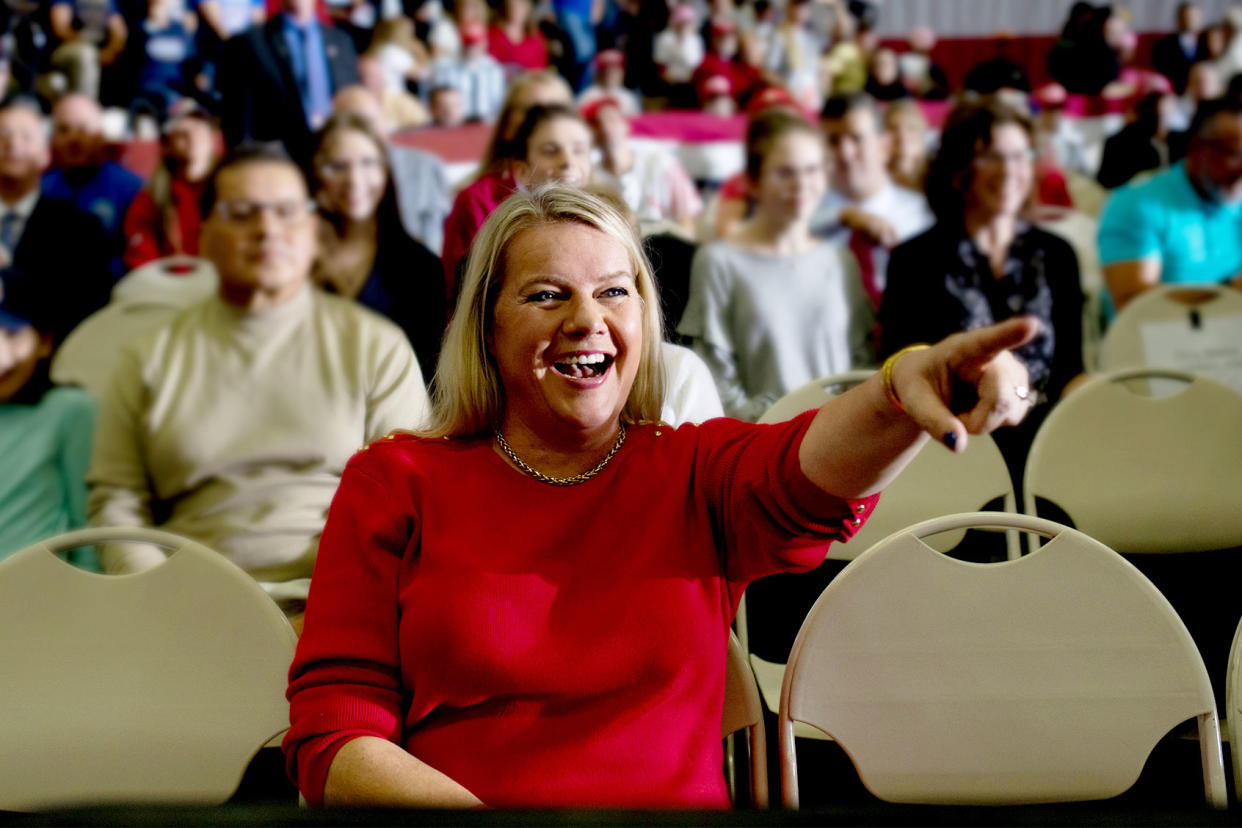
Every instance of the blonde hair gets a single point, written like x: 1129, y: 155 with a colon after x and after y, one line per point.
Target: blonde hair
x: 468, y: 397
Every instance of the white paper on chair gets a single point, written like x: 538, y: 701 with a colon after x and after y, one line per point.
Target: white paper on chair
x: 1213, y: 349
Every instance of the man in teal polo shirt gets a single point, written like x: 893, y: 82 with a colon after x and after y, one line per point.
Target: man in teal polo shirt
x: 1183, y: 224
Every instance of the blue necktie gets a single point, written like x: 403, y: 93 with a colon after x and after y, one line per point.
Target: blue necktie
x: 8, y: 231
x: 318, y: 91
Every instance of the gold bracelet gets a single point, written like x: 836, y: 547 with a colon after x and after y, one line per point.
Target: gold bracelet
x: 886, y: 372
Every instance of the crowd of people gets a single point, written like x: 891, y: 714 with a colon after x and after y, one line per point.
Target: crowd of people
x: 311, y: 286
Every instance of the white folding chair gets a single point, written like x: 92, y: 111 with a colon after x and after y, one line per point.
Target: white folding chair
x: 1233, y: 710
x: 812, y: 395
x: 1045, y: 679
x: 157, y: 687
x: 743, y: 710
x: 1143, y: 473
x: 1079, y: 228
x: 1192, y: 328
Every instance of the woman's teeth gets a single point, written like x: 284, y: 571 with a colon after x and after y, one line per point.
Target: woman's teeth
x: 583, y: 366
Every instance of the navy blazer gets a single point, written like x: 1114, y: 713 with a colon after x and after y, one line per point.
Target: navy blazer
x: 260, y: 99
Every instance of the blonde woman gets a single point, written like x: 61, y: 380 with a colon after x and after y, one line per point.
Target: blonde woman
x: 528, y: 603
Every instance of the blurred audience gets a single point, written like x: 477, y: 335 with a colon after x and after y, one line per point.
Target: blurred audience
x: 678, y: 51
x: 89, y: 36
x: 474, y: 73
x: 514, y: 40
x: 908, y: 138
x: 1183, y: 224
x: 81, y: 172
x: 795, y: 52
x: 447, y: 107
x: 1174, y: 54
x: 723, y: 60
x: 863, y: 209
x: 773, y: 307
x: 231, y: 425
x: 277, y: 80
x: 419, y: 177
x: 554, y: 144
x: 1147, y: 142
x: 843, y: 67
x: 610, y: 83
x: 999, y: 75
x: 920, y: 72
x: 1203, y: 83
x: 1082, y: 60
x: 650, y: 179
x: 165, y: 217
x: 401, y: 109
x: 365, y: 253
x: 65, y: 281
x: 1058, y: 140
x: 494, y: 181
x: 884, y: 81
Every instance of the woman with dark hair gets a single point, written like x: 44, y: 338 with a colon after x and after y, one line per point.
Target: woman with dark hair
x: 984, y: 261
x: 364, y: 251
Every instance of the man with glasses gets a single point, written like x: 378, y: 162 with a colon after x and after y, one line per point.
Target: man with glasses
x: 231, y: 425
x: 1183, y: 224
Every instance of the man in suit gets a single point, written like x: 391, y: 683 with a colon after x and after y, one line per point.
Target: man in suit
x: 1173, y: 54
x: 277, y: 80
x: 73, y: 278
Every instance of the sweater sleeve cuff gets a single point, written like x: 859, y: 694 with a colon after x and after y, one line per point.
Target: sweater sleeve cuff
x: 836, y: 517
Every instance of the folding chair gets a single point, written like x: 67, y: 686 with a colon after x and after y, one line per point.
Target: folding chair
x: 1045, y: 679
x: 743, y: 710
x: 1143, y: 473
x: 1192, y: 328
x: 1233, y: 709
x: 157, y: 687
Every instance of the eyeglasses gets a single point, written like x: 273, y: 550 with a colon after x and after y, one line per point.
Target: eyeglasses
x: 287, y: 211
x: 336, y: 169
x: 997, y: 159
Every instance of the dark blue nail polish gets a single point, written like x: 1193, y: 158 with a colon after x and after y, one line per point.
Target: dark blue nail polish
x: 950, y: 440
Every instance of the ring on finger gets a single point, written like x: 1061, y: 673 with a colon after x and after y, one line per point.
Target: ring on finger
x: 1022, y: 392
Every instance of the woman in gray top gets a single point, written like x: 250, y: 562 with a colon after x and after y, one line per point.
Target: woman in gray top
x: 773, y: 307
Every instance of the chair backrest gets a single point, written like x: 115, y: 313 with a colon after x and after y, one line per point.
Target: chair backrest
x: 145, y: 299
x: 1233, y: 709
x: 1048, y: 678
x: 812, y: 395
x: 743, y: 710
x: 146, y: 688
x: 1143, y: 473
x: 936, y: 482
x: 1194, y: 328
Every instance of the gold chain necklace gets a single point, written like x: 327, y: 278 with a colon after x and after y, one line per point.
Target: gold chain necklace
x: 581, y: 477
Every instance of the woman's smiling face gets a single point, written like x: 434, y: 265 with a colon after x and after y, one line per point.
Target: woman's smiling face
x: 567, y: 330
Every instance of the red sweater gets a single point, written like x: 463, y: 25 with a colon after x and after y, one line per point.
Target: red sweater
x: 149, y: 233
x: 530, y: 53
x: 543, y: 646
x: 470, y: 209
